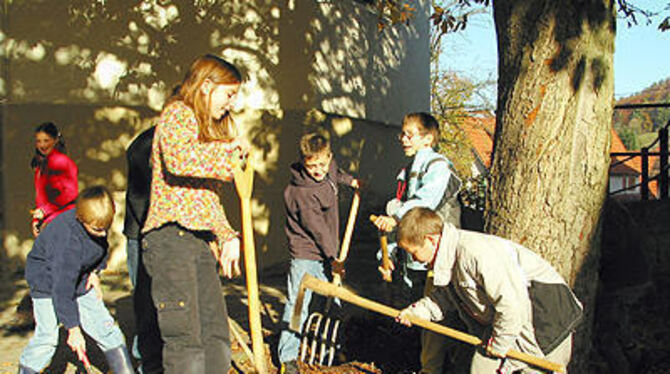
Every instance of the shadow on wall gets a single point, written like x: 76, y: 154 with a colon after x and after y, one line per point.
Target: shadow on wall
x: 365, y: 149
x: 95, y: 138
x: 327, y: 55
x: 102, y: 77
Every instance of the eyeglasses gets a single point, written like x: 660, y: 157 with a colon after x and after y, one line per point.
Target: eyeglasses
x: 407, y: 135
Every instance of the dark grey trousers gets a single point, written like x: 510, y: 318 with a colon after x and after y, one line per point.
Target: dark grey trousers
x: 186, y: 292
x: 149, y: 341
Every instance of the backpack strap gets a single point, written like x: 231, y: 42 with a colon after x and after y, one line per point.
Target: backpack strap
x: 454, y: 184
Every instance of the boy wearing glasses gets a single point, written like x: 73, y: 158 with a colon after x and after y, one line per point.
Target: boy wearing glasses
x: 62, y: 272
x: 427, y: 182
x: 312, y: 229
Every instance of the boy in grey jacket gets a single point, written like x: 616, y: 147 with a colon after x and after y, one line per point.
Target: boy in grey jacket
x: 508, y: 296
x: 312, y: 228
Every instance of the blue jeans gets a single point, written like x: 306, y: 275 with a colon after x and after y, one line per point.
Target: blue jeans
x: 289, y: 341
x: 95, y: 321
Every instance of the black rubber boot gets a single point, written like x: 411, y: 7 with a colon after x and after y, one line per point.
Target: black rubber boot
x: 25, y: 370
x: 118, y: 360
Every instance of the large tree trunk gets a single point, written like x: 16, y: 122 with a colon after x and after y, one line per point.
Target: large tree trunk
x: 549, y: 173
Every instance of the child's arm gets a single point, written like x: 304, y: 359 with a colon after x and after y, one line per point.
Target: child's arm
x: 66, y: 272
x: 184, y: 155
x: 430, y: 194
x: 499, y: 279
x: 386, y: 272
x: 426, y: 308
x: 76, y: 342
x: 385, y: 223
x: 342, y: 177
x: 94, y: 282
x: 63, y: 180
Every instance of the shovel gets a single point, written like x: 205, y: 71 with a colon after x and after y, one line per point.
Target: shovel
x: 244, y: 184
x: 320, y: 332
x: 330, y: 290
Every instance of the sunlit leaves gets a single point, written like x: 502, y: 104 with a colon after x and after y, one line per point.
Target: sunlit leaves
x: 449, y: 94
x: 393, y: 12
x: 452, y: 16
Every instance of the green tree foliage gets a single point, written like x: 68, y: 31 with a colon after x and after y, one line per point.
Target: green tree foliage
x: 449, y: 93
x: 646, y: 119
x: 629, y: 138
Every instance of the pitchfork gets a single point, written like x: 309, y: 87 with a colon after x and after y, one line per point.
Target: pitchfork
x: 321, y: 330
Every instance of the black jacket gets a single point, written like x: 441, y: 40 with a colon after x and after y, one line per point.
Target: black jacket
x: 58, y: 265
x: 138, y: 156
x: 312, y: 213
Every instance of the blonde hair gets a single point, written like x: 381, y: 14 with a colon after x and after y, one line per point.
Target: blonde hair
x: 418, y: 223
x: 218, y: 71
x: 312, y: 144
x: 95, y: 206
x: 426, y: 123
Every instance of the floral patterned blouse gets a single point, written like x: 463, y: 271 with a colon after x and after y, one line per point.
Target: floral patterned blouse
x: 188, y: 175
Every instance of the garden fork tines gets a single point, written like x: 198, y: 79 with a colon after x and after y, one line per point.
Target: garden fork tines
x: 319, y: 334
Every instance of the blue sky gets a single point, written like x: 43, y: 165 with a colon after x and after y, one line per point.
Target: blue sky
x: 641, y: 57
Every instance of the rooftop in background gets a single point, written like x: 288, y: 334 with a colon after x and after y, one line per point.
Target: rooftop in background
x: 480, y: 131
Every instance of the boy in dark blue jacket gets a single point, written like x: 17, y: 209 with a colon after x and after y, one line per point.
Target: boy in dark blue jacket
x: 62, y: 272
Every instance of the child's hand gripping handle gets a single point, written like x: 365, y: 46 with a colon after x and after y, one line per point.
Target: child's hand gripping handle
x: 387, y: 265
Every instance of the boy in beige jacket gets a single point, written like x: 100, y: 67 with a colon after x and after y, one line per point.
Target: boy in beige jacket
x: 508, y: 296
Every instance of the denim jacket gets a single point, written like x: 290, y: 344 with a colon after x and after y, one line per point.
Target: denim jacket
x: 426, y: 183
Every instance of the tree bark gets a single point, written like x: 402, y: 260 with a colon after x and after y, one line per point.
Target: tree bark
x: 551, y: 153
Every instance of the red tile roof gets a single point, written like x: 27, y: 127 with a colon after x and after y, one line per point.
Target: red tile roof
x: 479, y: 131
x: 632, y: 166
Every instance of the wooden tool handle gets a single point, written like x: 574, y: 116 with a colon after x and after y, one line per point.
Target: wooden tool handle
x: 234, y: 330
x: 348, y: 233
x: 244, y: 181
x: 383, y: 243
x: 386, y: 261
x: 330, y: 290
